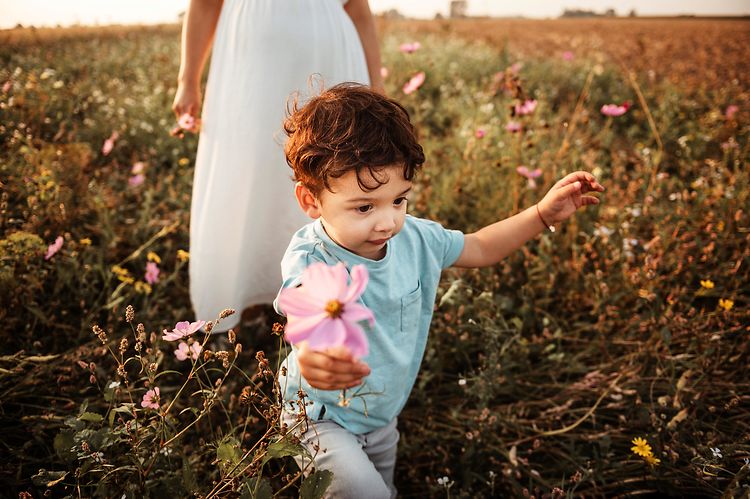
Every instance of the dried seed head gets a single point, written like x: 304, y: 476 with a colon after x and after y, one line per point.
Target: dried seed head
x: 238, y: 348
x: 232, y: 336
x: 141, y: 330
x: 129, y: 313
x: 92, y: 367
x: 138, y: 346
x: 226, y: 313
x: 207, y: 355
x: 100, y: 333
x: 152, y: 367
x: 209, y: 326
x: 277, y: 329
x: 123, y: 345
x: 121, y: 371
x: 92, y: 379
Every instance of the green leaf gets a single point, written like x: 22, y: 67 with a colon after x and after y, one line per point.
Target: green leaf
x: 228, y: 452
x: 259, y: 488
x: 283, y: 447
x: 91, y: 417
x: 48, y: 478
x: 316, y: 485
x: 63, y: 445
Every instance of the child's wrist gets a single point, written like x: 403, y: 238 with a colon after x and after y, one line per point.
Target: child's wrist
x: 545, y: 218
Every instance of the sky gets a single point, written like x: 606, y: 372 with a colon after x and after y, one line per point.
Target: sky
x: 67, y: 12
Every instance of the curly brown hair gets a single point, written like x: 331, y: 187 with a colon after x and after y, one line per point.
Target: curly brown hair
x: 349, y: 127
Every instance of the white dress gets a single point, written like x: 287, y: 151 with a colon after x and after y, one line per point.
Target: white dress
x: 243, y: 210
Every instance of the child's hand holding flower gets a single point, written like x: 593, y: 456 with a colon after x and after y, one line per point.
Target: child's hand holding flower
x: 567, y: 195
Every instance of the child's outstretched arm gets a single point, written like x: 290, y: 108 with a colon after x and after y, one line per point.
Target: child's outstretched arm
x: 491, y: 244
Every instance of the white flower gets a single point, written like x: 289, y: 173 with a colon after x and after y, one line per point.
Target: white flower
x: 716, y: 452
x: 461, y: 382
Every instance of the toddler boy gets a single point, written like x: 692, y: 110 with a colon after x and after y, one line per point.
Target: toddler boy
x: 354, y: 154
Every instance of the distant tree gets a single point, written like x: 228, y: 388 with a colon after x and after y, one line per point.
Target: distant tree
x: 633, y: 13
x: 610, y: 13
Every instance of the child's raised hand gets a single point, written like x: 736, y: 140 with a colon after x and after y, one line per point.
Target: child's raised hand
x: 332, y: 369
x: 567, y: 195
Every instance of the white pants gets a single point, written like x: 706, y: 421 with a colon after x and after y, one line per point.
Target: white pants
x: 362, y: 465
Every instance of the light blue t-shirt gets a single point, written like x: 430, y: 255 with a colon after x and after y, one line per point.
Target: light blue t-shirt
x: 401, y: 294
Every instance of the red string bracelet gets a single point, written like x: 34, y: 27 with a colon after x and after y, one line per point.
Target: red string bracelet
x: 550, y: 227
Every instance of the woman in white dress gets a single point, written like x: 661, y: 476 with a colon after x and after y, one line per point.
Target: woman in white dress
x: 243, y: 211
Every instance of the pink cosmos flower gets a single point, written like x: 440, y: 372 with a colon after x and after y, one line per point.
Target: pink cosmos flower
x: 384, y: 72
x: 136, y: 180
x: 614, y: 109
x: 480, y: 133
x: 109, y: 144
x: 414, y: 83
x: 151, y: 399
x: 152, y: 273
x: 54, y: 248
x: 530, y: 175
x: 568, y: 55
x: 731, y: 111
x: 324, y: 310
x: 186, y: 121
x: 513, y: 126
x: 185, y: 352
x: 527, y: 107
x: 182, y: 330
x: 410, y: 48
x: 138, y: 168
x: 515, y: 68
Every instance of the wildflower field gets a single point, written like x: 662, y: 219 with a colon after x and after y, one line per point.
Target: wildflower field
x: 606, y: 359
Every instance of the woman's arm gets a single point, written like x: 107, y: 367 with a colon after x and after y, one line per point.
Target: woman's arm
x: 359, y: 12
x: 197, y: 35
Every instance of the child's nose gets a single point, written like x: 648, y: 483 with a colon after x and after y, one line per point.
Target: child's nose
x: 386, y: 223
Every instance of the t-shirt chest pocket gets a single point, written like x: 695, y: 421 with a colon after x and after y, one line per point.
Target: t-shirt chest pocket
x: 411, y: 309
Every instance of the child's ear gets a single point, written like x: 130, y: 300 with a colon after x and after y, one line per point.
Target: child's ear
x: 307, y: 200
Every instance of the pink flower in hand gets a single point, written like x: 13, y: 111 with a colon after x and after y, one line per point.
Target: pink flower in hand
x: 410, y: 48
x: 186, y: 121
x: 614, y: 109
x: 527, y: 107
x: 324, y: 310
x: 109, y: 144
x: 185, y: 352
x: 151, y: 399
x: 414, y: 83
x: 152, y: 273
x: 182, y: 330
x: 54, y: 248
x: 531, y: 175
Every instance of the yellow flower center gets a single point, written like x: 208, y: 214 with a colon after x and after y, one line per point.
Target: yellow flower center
x: 334, y: 308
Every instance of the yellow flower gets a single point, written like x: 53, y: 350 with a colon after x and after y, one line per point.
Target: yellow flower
x: 183, y: 255
x: 143, y: 288
x: 121, y: 272
x: 726, y: 304
x: 183, y: 162
x: 708, y: 284
x: 651, y: 460
x: 641, y: 447
x: 85, y: 241
x: 153, y: 257
x: 126, y: 279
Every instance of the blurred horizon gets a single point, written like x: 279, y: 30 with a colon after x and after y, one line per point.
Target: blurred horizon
x: 48, y: 13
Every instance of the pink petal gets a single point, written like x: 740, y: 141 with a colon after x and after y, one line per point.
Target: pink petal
x: 354, y: 312
x: 329, y: 333
x: 297, y: 301
x: 535, y: 173
x: 522, y: 170
x: 182, y: 326
x: 300, y: 328
x: 356, y: 341
x: 325, y: 281
x: 357, y: 286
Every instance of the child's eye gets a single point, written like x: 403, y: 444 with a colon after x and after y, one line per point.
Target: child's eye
x: 365, y: 208
x: 399, y: 201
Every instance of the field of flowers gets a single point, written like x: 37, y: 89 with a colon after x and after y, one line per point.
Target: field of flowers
x: 606, y: 359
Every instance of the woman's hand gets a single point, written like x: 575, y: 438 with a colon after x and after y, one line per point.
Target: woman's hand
x: 187, y: 100
x: 567, y: 195
x: 332, y: 369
